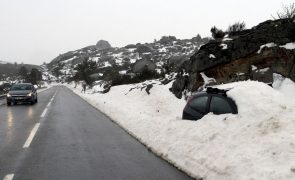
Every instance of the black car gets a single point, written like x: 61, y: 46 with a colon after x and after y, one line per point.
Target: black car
x: 212, y: 100
x: 22, y: 92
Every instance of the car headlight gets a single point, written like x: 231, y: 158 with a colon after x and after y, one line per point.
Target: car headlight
x: 8, y: 95
x: 30, y: 94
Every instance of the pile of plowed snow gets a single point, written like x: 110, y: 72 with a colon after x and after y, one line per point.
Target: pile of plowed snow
x: 256, y: 143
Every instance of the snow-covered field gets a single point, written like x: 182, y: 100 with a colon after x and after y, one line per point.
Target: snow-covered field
x: 257, y: 143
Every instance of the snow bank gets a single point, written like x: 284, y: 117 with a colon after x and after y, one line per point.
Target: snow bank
x: 99, y: 87
x: 287, y: 87
x: 257, y: 143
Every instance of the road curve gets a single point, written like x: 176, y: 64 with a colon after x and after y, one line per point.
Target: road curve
x: 72, y: 141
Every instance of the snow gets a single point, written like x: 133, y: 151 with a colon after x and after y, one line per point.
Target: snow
x: 159, y: 71
x: 99, y: 87
x: 70, y: 59
x: 119, y: 61
x: 133, y: 60
x: 107, y: 64
x: 160, y: 63
x: 284, y: 85
x: 206, y: 79
x: 253, y: 67
x: 2, y: 82
x: 65, y: 71
x: 266, y: 45
x: 212, y: 56
x: 96, y: 59
x: 264, y: 70
x: 118, y: 55
x: 227, y: 39
x: 163, y: 50
x: 224, y: 46
x: 289, y: 46
x: 123, y: 72
x: 131, y: 50
x: 256, y: 143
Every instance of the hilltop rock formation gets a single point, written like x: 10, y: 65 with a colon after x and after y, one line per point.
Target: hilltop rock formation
x: 140, y: 65
x: 254, y: 53
x: 102, y: 44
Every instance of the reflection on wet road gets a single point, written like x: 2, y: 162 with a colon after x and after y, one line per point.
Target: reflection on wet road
x: 16, y: 122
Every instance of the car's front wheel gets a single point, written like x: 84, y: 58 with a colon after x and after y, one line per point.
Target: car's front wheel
x: 8, y: 103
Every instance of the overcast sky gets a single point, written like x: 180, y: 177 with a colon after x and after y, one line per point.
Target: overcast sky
x: 36, y: 31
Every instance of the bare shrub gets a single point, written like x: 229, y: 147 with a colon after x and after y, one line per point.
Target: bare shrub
x: 217, y: 33
x: 236, y: 27
x: 288, y: 12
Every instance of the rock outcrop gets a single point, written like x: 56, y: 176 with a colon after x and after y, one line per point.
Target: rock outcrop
x: 140, y: 65
x: 254, y: 53
x: 102, y: 44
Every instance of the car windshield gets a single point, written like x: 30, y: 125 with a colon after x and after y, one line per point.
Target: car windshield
x: 20, y: 87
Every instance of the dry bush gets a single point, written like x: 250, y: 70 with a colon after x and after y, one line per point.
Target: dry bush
x: 236, y: 27
x: 217, y: 33
x: 288, y: 12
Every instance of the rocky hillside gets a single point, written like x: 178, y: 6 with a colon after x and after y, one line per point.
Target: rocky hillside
x: 254, y: 53
x: 9, y: 71
x: 160, y: 57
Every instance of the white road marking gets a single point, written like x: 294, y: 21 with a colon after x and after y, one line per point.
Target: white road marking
x: 48, y: 105
x: 36, y: 127
x: 31, y: 136
x: 44, y: 112
x: 8, y: 177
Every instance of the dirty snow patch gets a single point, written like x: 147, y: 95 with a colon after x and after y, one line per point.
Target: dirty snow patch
x: 266, y: 45
x: 224, y: 46
x: 207, y: 79
x: 227, y: 39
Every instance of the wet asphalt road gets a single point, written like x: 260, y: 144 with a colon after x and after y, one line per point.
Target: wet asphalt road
x: 73, y: 141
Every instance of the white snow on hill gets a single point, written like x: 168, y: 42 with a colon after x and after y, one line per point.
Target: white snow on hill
x: 124, y: 58
x: 256, y: 143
